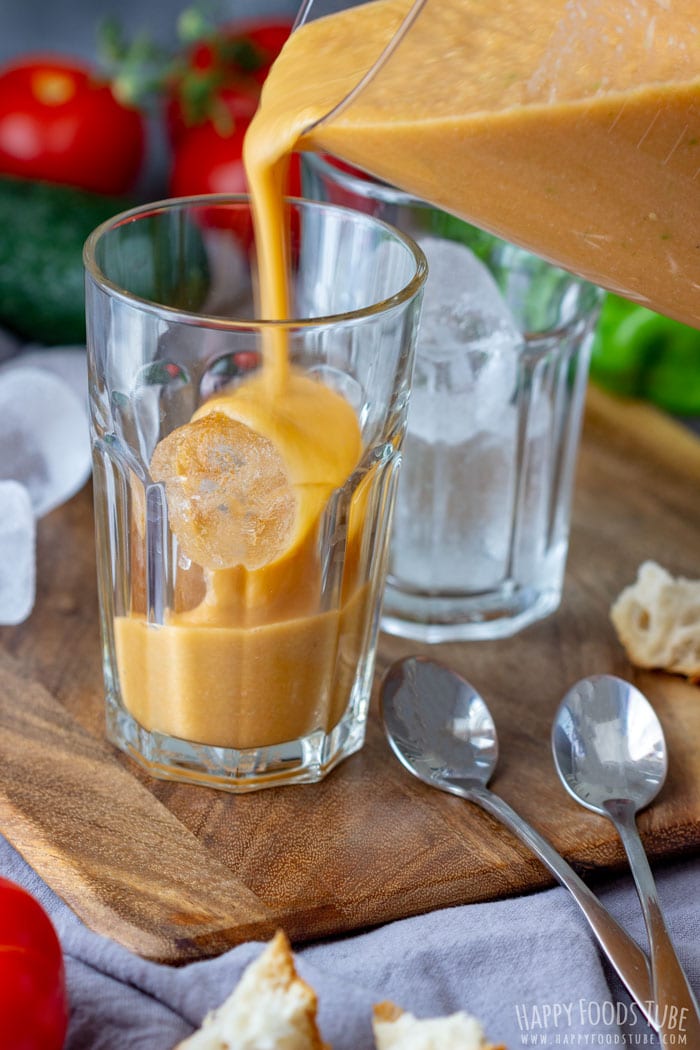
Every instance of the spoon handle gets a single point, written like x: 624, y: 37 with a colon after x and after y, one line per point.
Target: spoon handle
x: 626, y: 956
x: 676, y: 1010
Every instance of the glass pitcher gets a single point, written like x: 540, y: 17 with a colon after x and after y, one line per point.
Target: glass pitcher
x: 571, y: 130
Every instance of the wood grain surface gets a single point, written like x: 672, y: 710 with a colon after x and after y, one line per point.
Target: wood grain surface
x: 177, y: 872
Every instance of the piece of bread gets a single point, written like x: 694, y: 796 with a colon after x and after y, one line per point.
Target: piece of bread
x: 657, y: 619
x: 271, y: 1008
x: 396, y: 1030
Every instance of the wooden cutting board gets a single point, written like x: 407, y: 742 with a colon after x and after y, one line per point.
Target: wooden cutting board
x: 176, y: 872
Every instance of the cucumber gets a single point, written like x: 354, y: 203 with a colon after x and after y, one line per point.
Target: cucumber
x: 43, y: 227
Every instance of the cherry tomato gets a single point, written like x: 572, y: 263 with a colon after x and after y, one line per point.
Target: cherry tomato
x: 61, y: 123
x: 225, y: 108
x: 221, y: 75
x: 33, y: 1000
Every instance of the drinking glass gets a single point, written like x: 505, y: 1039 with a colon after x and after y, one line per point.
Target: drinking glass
x: 481, y: 523
x: 220, y: 670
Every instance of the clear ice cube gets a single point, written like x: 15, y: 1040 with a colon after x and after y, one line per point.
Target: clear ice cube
x: 44, y: 436
x: 229, y: 498
x: 462, y: 302
x: 17, y: 553
x: 69, y: 363
x: 467, y: 351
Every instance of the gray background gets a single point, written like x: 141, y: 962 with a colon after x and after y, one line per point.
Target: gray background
x: 71, y: 26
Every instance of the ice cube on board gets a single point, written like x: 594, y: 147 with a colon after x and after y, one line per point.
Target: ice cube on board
x: 17, y: 553
x: 44, y: 438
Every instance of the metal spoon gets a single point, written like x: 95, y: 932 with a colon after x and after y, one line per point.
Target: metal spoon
x: 441, y: 730
x: 610, y: 752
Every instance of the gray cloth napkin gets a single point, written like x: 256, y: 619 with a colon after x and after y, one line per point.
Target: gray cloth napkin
x: 527, y: 966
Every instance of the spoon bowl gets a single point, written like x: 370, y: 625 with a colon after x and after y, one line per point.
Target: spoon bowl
x: 609, y: 744
x: 450, y: 738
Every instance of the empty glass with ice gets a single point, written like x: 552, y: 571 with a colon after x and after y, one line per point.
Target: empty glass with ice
x: 481, y: 522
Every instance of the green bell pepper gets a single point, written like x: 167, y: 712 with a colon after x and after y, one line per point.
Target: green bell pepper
x: 642, y: 354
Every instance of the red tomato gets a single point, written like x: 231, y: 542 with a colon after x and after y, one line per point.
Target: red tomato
x: 211, y: 104
x: 265, y: 39
x: 33, y: 1001
x: 61, y: 123
x: 230, y: 105
x: 221, y: 75
x: 207, y: 161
